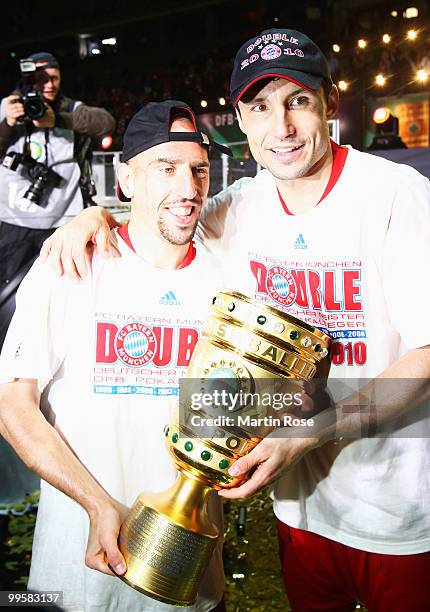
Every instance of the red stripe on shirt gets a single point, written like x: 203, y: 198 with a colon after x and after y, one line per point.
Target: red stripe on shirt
x: 339, y: 159
x: 189, y: 257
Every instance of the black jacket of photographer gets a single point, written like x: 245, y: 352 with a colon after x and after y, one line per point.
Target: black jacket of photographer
x: 62, y: 148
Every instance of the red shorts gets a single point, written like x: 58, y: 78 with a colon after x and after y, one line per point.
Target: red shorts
x: 323, y: 575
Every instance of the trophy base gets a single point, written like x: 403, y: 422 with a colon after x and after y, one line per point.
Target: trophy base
x: 166, y: 600
x: 167, y: 542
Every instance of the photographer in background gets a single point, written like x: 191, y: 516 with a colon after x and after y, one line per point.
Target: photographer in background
x: 45, y: 150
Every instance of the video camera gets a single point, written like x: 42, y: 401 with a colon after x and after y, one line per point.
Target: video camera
x: 42, y: 176
x: 31, y: 98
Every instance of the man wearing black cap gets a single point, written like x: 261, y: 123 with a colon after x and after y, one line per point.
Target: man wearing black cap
x: 103, y: 360
x: 329, y: 233
x: 340, y: 239
x: 58, y: 140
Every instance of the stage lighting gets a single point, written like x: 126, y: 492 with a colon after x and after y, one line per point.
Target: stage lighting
x: 343, y: 85
x: 422, y: 75
x: 203, y: 103
x: 221, y: 101
x: 387, y: 130
x: 380, y: 80
x: 412, y: 34
x: 336, y: 48
x: 410, y: 12
x: 106, y: 143
x: 362, y: 43
x: 381, y: 115
x: 386, y: 39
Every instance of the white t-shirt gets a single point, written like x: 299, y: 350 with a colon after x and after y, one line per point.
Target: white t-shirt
x: 107, y: 354
x: 356, y: 266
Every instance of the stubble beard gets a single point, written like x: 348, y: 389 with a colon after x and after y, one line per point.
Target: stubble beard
x: 290, y: 173
x: 178, y: 237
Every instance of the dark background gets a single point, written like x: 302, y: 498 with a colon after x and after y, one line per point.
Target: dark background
x: 185, y: 48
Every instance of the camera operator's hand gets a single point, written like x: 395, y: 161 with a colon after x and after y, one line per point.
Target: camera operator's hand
x: 14, y: 109
x: 48, y: 119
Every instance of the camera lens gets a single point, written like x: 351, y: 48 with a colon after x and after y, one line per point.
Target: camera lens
x: 43, y: 178
x: 35, y: 110
x: 34, y: 105
x: 35, y: 191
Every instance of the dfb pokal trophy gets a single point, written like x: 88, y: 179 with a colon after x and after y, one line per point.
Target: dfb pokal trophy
x: 247, y: 350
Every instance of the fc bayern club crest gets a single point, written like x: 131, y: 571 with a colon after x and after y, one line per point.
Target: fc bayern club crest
x: 135, y: 344
x: 281, y: 286
x: 270, y: 52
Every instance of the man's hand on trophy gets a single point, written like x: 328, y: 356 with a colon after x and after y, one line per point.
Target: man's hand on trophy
x: 70, y: 247
x: 315, y: 398
x: 268, y: 459
x: 102, y: 547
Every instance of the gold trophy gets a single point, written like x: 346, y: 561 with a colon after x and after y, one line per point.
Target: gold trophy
x: 168, y: 538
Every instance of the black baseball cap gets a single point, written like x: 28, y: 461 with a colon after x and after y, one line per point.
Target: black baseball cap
x: 282, y: 53
x: 45, y: 58
x: 150, y: 126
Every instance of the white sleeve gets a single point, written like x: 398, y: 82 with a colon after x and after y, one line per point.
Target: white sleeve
x: 406, y: 261
x: 213, y: 224
x: 36, y: 340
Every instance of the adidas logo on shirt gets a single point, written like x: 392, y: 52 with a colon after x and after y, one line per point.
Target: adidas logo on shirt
x: 300, y: 242
x: 169, y: 299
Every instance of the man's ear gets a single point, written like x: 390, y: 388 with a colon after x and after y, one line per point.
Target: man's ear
x: 239, y: 120
x: 332, y: 102
x: 125, y: 176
